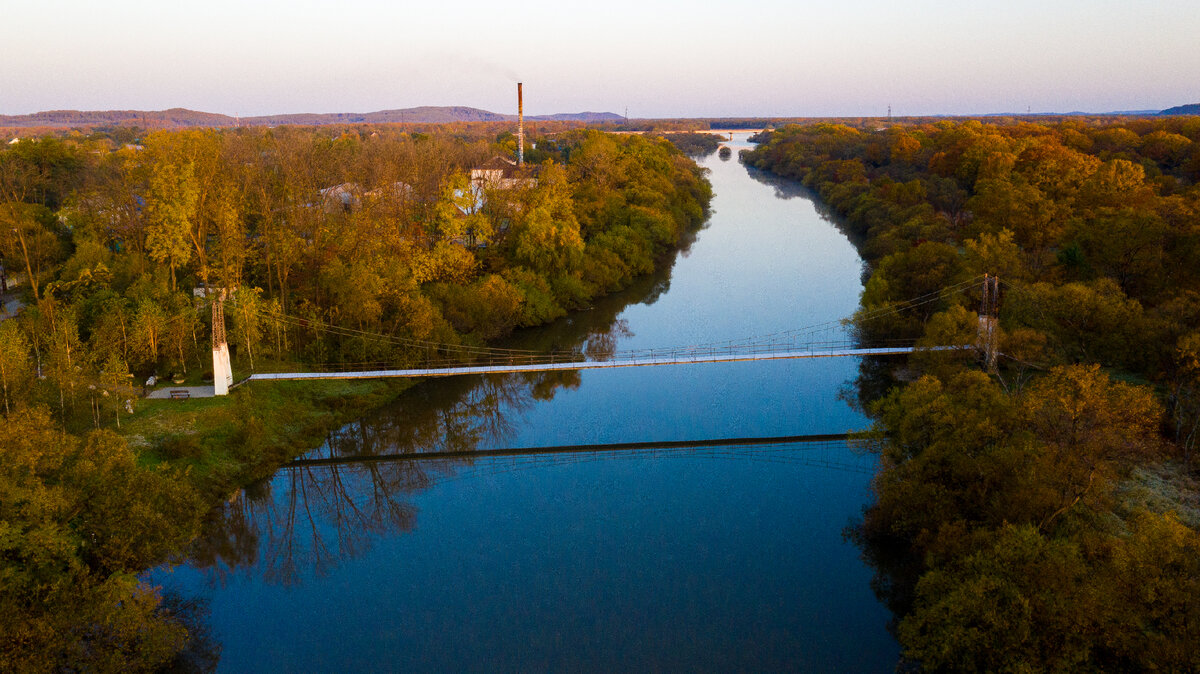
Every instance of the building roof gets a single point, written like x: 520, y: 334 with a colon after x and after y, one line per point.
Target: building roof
x: 505, y: 166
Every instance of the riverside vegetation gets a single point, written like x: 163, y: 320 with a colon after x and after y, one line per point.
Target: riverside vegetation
x: 341, y: 247
x: 1044, y: 518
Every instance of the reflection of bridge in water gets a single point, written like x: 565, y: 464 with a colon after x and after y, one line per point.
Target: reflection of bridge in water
x: 320, y: 511
x: 441, y: 360
x: 766, y: 444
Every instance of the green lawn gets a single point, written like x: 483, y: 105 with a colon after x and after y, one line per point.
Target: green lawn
x: 229, y: 441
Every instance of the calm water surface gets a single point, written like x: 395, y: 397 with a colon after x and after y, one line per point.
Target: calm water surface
x: 716, y: 559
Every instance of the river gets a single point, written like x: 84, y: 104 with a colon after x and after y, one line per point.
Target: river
x: 711, y: 559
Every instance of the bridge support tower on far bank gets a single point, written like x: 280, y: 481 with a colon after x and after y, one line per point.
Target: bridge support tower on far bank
x: 222, y: 371
x: 989, y: 319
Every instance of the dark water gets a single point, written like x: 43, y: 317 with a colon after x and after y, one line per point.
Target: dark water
x: 725, y: 558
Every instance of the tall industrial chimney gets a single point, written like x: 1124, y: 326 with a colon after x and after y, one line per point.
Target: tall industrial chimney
x: 520, y: 127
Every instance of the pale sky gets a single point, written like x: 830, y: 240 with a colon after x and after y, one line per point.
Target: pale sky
x: 658, y: 59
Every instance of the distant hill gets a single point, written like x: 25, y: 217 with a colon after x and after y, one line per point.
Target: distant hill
x: 423, y: 115
x: 577, y: 117
x: 179, y: 117
x: 1073, y: 113
x: 175, y: 117
x: 1192, y: 109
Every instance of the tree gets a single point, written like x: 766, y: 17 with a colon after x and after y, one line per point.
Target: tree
x: 248, y: 309
x: 1089, y: 429
x: 149, y: 323
x: 1185, y: 394
x: 179, y: 329
x: 1083, y: 322
x: 79, y: 522
x: 66, y: 356
x: 1116, y: 183
x: 14, y: 361
x: 955, y: 327
x: 26, y: 235
x: 110, y: 328
x: 1017, y: 604
x: 996, y: 254
x: 232, y: 246
x: 548, y: 239
x: 921, y: 272
x: 134, y: 514
x: 547, y: 246
x: 114, y: 380
x: 170, y: 211
x: 40, y: 171
x: 1128, y: 246
x: 1036, y: 221
x: 1151, y: 579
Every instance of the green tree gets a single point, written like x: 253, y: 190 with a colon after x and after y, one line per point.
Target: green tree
x: 149, y: 324
x: 1017, y: 604
x: 996, y: 254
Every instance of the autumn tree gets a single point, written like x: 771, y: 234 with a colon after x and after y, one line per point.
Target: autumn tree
x: 14, y: 362
x: 170, y: 211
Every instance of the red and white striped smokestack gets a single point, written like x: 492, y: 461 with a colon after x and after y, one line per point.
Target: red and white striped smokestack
x: 520, y: 127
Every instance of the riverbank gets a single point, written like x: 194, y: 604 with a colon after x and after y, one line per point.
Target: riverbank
x: 1037, y: 517
x: 225, y: 443
x: 399, y: 267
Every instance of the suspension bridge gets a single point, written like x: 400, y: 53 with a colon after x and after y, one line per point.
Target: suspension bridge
x: 443, y: 360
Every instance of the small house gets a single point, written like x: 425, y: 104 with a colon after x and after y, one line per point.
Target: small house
x: 499, y: 173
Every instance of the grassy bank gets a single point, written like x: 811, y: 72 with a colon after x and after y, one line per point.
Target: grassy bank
x: 227, y: 442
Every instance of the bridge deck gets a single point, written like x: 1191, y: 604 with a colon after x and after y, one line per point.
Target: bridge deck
x: 672, y: 359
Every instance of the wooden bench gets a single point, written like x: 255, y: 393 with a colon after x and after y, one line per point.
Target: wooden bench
x: 180, y: 394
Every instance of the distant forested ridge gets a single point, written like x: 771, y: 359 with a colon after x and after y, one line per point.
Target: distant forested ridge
x: 1044, y: 517
x: 183, y: 118
x: 1190, y: 109
x: 361, y: 245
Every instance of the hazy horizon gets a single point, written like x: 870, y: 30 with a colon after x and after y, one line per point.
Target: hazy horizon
x: 656, y: 60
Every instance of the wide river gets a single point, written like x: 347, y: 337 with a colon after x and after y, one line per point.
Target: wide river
x: 713, y: 559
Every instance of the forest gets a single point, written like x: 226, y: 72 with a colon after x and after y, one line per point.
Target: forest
x: 334, y: 247
x: 1044, y: 516
x: 694, y: 144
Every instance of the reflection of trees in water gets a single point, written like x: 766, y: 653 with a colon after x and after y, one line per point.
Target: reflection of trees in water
x: 307, y: 519
x: 786, y: 188
x: 876, y: 375
x: 896, y: 571
x: 602, y: 345
x: 203, y: 651
x: 333, y: 513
